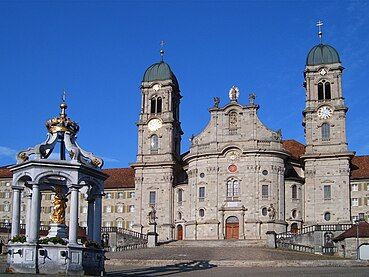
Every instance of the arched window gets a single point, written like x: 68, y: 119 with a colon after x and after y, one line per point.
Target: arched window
x: 154, y: 143
x: 179, y: 215
x: 320, y: 91
x: 325, y: 131
x: 233, y: 188
x: 153, y: 105
x: 294, y: 192
x: 158, y: 105
x: 327, y: 88
x: 180, y: 196
x: 324, y: 90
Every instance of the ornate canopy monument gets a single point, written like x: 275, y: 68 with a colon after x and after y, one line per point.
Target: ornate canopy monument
x: 67, y: 172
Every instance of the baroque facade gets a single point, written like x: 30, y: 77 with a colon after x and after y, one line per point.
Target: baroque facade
x: 239, y: 179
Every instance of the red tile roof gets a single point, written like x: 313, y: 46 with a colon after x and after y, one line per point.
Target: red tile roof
x: 296, y: 148
x: 5, y: 173
x: 360, y: 167
x: 362, y: 231
x: 120, y: 178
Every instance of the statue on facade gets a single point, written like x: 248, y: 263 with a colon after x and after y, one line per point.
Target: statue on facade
x: 58, y: 215
x: 216, y: 102
x: 152, y: 215
x: 252, y: 97
x: 271, y: 212
x: 234, y: 93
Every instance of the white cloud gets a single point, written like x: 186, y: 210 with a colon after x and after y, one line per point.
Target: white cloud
x: 7, y: 152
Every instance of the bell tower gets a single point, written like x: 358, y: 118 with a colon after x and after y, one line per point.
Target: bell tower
x: 158, y: 154
x: 326, y: 157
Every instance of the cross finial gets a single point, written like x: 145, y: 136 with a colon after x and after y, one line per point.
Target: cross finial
x: 64, y: 96
x: 319, y: 24
x: 162, y: 42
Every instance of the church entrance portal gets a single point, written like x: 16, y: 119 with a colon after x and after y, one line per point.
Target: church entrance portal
x: 232, y: 228
x: 179, y: 232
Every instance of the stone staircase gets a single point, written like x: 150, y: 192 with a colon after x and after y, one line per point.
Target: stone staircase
x: 216, y: 243
x: 312, y: 239
x: 120, y: 239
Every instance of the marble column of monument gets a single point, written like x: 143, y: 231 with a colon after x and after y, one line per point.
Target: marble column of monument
x: 73, y: 217
x: 16, y: 211
x: 35, y: 214
x: 97, y: 219
x: 90, y: 219
x: 28, y: 197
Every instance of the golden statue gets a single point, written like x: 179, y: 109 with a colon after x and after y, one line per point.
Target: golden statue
x: 58, y: 215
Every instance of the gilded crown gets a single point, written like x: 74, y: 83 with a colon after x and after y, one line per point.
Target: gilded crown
x: 62, y: 123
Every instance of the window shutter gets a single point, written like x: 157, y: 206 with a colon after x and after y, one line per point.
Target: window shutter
x: 360, y: 187
x: 360, y: 202
x: 1, y: 208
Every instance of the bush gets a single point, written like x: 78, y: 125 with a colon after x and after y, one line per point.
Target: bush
x: 54, y: 240
x: 19, y: 238
x: 92, y: 244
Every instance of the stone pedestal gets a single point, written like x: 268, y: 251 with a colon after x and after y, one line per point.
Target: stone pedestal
x: 271, y: 239
x: 58, y: 230
x: 152, y: 237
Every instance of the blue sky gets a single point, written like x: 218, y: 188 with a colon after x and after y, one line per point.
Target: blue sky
x: 99, y: 50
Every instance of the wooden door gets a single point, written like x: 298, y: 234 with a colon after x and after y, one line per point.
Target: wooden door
x: 232, y: 228
x: 179, y: 232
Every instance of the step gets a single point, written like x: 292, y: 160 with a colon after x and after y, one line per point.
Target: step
x: 215, y: 243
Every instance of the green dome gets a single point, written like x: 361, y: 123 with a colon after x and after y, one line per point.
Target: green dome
x: 159, y: 72
x: 322, y: 54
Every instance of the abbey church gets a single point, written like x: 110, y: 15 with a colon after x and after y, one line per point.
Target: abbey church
x: 239, y: 178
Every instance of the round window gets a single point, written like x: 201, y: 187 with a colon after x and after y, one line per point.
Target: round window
x: 201, y: 212
x: 264, y: 211
x: 202, y: 174
x: 232, y: 168
x: 327, y: 216
x: 265, y: 172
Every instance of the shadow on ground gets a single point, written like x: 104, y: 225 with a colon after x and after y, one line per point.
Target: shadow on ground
x: 164, y: 270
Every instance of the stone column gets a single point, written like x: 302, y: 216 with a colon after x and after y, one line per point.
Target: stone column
x: 222, y: 225
x: 28, y: 212
x: 97, y: 219
x: 35, y: 214
x: 16, y: 211
x: 242, y: 225
x: 90, y: 219
x: 73, y: 219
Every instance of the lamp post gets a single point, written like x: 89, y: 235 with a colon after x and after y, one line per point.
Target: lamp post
x: 357, y: 239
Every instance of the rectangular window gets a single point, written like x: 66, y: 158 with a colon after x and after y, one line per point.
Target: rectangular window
x: 180, y: 196
x: 120, y: 195
x: 355, y: 218
x: 354, y: 202
x: 327, y: 192
x: 201, y: 193
x: 354, y: 187
x: 264, y: 191
x: 152, y: 199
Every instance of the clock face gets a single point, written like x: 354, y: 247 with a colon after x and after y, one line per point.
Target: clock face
x: 325, y: 112
x: 156, y: 87
x: 155, y: 124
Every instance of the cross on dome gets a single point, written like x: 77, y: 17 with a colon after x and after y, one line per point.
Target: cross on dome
x: 319, y: 24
